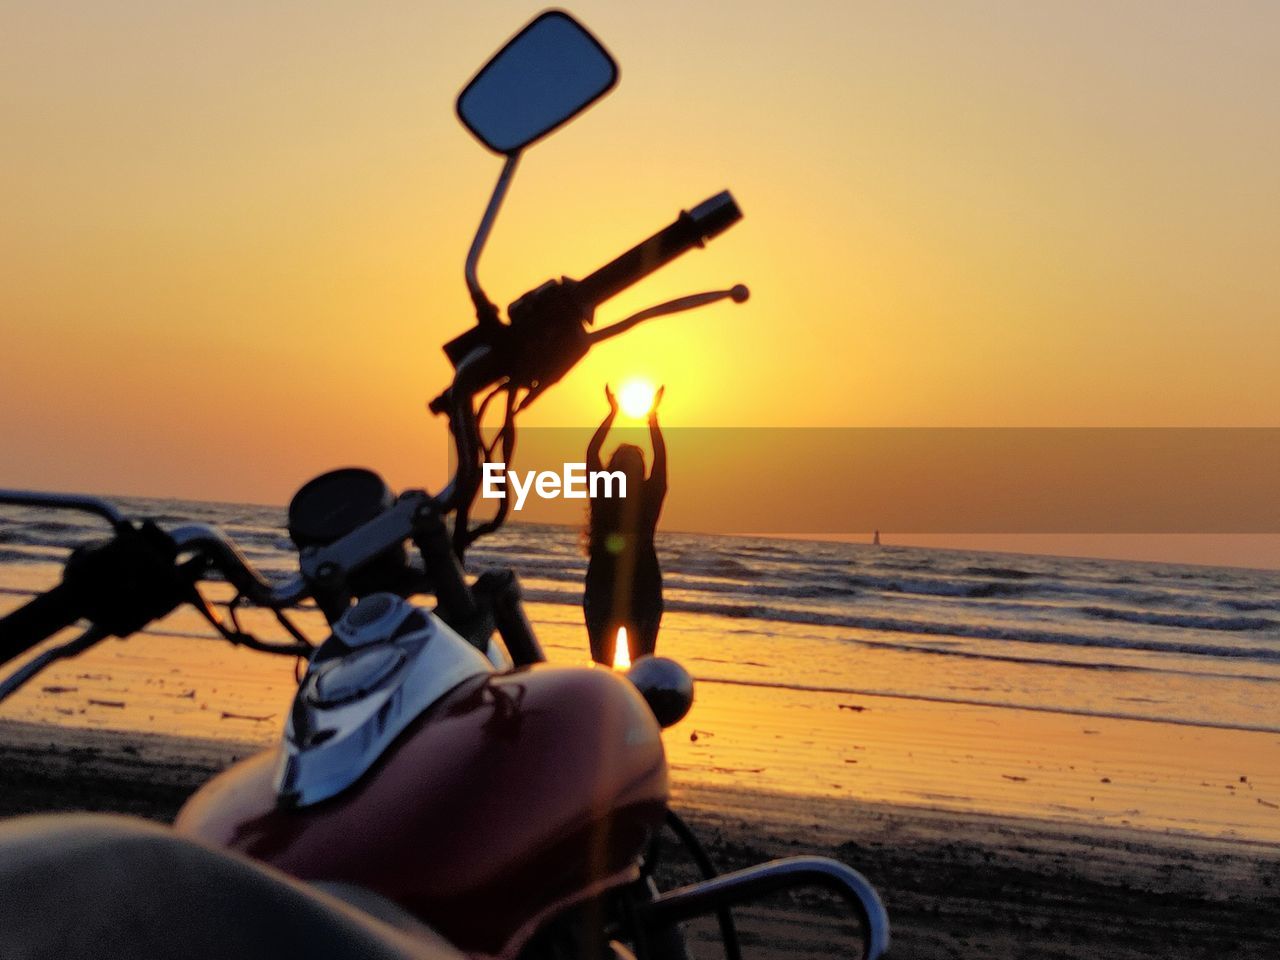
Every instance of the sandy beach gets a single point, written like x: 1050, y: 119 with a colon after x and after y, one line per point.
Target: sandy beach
x: 990, y: 832
x: 956, y: 884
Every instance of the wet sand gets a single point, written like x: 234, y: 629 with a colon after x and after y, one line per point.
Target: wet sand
x: 1092, y: 770
x: 956, y: 883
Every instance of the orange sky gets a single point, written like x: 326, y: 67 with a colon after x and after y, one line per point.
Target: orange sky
x: 233, y: 233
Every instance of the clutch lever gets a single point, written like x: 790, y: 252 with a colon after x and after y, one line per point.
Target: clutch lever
x: 738, y: 293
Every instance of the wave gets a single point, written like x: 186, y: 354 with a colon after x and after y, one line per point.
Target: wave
x: 934, y: 587
x: 265, y: 540
x: 1249, y: 606
x: 910, y: 566
x: 1190, y: 621
x: 709, y: 564
x: 1039, y: 586
x: 1004, y: 573
x: 966, y: 631
x: 49, y: 539
x: 767, y: 550
x: 808, y: 590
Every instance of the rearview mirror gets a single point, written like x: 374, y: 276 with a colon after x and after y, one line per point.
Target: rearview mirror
x: 547, y: 74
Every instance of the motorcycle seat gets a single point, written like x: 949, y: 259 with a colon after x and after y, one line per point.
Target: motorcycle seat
x: 82, y: 886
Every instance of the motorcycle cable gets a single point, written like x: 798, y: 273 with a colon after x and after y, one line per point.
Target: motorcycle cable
x: 293, y: 630
x: 506, y: 433
x: 488, y: 399
x: 290, y: 627
x: 507, y: 437
x: 724, y: 916
x: 464, y: 534
x: 236, y: 635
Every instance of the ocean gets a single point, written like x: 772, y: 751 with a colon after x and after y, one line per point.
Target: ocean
x: 1188, y: 645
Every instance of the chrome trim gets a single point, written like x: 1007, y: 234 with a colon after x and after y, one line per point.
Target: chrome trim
x: 366, y: 542
x: 486, y: 225
x: 226, y: 556
x: 328, y: 747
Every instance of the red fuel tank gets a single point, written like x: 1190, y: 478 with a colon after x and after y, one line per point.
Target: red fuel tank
x: 512, y: 797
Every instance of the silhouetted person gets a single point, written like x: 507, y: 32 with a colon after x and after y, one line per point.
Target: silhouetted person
x: 624, y: 584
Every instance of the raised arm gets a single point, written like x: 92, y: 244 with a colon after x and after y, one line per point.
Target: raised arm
x: 658, y: 475
x: 597, y: 438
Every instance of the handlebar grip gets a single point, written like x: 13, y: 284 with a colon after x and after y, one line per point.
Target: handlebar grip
x: 691, y: 229
x: 37, y: 620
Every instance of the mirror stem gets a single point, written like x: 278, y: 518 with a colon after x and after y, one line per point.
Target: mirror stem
x: 487, y: 312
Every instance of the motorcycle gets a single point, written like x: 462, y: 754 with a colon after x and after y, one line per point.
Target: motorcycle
x: 435, y: 773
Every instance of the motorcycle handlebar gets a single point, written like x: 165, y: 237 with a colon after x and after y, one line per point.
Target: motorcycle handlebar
x: 693, y: 228
x: 106, y: 585
x: 546, y: 336
x: 226, y: 557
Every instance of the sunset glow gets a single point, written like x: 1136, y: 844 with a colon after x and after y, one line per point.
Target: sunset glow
x: 636, y: 398
x: 1025, y: 215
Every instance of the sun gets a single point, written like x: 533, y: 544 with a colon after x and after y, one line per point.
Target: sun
x: 636, y: 397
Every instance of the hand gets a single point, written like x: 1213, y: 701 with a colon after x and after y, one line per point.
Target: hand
x: 613, y: 401
x: 653, y: 407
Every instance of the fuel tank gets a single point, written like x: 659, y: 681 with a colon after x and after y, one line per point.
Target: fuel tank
x: 512, y: 797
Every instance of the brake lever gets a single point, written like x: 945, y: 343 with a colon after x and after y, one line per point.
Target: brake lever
x: 738, y: 293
